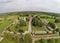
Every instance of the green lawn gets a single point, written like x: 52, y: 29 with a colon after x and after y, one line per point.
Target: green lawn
x: 13, y: 27
x: 11, y: 38
x: 39, y: 41
x: 45, y: 41
x: 36, y: 28
x: 7, y: 22
x: 50, y: 20
x: 7, y: 41
x: 57, y: 40
x: 24, y: 28
x: 57, y: 24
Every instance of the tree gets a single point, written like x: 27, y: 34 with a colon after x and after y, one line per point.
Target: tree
x: 51, y: 25
x: 56, y: 40
x: 22, y: 23
x: 57, y: 20
x: 37, y: 22
x: 54, y: 17
x: 57, y: 29
x: 41, y: 41
x: 21, y: 31
x: 51, y: 40
x: 27, y: 38
x: 18, y: 18
x: 21, y: 40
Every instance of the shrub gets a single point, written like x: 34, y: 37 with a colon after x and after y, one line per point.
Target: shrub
x: 21, y: 31
x: 51, y: 25
x: 27, y: 38
x: 57, y: 21
x: 22, y: 23
x: 37, y: 22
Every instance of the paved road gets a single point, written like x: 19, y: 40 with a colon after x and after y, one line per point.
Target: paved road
x: 49, y: 37
x: 1, y: 38
x: 39, y: 37
x: 29, y: 27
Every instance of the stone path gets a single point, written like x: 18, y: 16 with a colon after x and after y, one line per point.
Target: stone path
x: 1, y: 38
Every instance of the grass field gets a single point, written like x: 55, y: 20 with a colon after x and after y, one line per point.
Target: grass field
x: 50, y: 20
x: 7, y: 41
x: 53, y: 21
x: 35, y: 28
x: 14, y: 28
x: 38, y: 41
x: 10, y: 38
x: 45, y: 41
x: 7, y: 22
x: 24, y: 28
x: 57, y: 24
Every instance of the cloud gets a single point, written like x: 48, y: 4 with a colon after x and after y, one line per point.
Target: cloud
x: 4, y: 1
x: 30, y: 5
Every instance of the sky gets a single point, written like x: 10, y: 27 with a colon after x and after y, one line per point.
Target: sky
x: 30, y: 5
